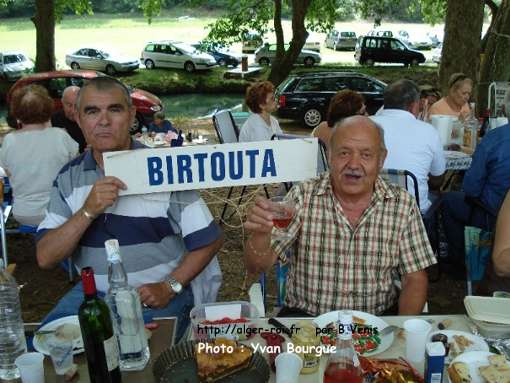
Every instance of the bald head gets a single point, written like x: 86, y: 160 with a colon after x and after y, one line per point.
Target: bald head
x: 359, y: 122
x: 69, y: 97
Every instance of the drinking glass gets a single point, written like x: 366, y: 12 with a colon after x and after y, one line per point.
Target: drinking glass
x: 282, y: 209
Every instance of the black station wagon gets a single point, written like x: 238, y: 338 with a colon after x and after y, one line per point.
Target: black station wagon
x: 306, y: 97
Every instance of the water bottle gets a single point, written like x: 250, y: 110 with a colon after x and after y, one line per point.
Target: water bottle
x: 145, y: 133
x: 12, y: 332
x: 126, y: 311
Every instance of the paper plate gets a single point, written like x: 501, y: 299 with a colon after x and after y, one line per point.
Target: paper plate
x: 177, y: 364
x: 474, y: 359
x: 40, y: 340
x: 479, y: 343
x: 386, y: 341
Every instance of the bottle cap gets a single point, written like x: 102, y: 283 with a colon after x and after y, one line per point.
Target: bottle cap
x: 112, y: 250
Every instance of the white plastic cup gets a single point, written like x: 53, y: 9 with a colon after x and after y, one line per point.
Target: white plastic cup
x: 417, y: 331
x: 31, y: 367
x: 61, y: 352
x: 288, y: 366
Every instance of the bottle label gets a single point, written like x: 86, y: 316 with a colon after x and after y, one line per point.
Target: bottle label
x: 111, y: 352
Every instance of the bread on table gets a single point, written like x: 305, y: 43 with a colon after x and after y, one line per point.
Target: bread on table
x: 459, y: 373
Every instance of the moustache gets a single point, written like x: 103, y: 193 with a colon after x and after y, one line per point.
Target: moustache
x: 353, y: 173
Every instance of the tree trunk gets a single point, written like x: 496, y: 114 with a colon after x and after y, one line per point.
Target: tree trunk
x: 280, y: 69
x: 44, y: 21
x: 494, y: 66
x: 461, y: 48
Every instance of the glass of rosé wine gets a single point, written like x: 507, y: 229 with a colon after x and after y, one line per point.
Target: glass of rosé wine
x: 283, y: 209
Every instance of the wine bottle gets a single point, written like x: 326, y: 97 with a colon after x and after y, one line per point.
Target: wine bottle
x: 126, y: 311
x: 343, y: 365
x: 100, y: 343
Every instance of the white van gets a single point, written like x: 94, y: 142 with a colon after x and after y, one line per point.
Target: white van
x: 341, y: 40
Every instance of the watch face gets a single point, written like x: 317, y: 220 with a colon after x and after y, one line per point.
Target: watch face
x: 176, y: 286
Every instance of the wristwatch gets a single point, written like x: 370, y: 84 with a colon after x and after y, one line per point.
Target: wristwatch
x: 174, y: 285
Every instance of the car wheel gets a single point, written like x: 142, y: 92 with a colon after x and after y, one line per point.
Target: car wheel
x: 369, y: 62
x: 414, y: 62
x: 189, y: 67
x: 312, y: 117
x: 110, y: 70
x: 309, y: 61
x: 75, y: 66
x: 137, y: 125
x: 222, y: 62
x: 149, y: 64
x: 264, y: 61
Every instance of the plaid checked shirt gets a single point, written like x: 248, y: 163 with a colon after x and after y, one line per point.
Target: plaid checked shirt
x: 336, y: 266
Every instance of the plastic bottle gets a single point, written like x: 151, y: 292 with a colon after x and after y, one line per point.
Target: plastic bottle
x: 343, y: 365
x: 12, y: 332
x: 126, y: 311
x: 471, y: 125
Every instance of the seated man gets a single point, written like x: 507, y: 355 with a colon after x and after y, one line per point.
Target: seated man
x: 352, y: 233
x: 168, y: 240
x: 487, y: 180
x: 160, y: 125
x: 65, y: 117
x: 412, y: 144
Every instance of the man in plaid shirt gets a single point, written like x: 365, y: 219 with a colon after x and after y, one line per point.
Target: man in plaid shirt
x: 352, y: 233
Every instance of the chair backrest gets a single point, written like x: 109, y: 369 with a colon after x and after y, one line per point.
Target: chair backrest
x: 226, y: 128
x: 322, y: 159
x: 401, y: 178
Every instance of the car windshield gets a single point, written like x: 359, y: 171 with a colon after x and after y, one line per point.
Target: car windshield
x: 188, y: 49
x: 11, y: 59
x: 105, y: 54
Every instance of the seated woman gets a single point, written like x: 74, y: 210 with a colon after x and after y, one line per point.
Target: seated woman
x: 260, y: 126
x: 456, y: 102
x: 33, y: 155
x: 160, y: 125
x: 344, y: 104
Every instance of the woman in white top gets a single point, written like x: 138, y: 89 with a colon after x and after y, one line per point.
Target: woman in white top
x: 33, y: 155
x: 260, y: 126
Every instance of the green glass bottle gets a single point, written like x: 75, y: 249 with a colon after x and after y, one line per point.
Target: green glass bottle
x: 99, y: 339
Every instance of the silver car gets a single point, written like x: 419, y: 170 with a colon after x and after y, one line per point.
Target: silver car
x: 101, y: 60
x: 266, y: 54
x: 341, y: 40
x: 13, y: 64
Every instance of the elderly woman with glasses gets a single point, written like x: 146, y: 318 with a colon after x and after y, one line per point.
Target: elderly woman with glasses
x: 345, y: 103
x: 456, y: 102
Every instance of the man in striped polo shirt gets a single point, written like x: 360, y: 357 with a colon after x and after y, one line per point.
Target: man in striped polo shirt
x: 352, y: 233
x: 168, y: 240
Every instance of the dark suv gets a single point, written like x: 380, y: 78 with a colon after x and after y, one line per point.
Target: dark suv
x: 306, y: 96
x: 372, y: 49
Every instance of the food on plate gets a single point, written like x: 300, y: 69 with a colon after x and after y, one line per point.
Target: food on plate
x: 219, y: 358
x: 459, y: 373
x: 389, y: 371
x: 458, y: 345
x: 358, y: 320
x: 225, y: 320
x: 365, y: 337
x: 69, y: 331
x: 498, y: 371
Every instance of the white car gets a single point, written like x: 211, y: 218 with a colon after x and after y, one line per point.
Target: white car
x: 101, y: 60
x: 13, y: 64
x: 175, y: 54
x: 436, y: 53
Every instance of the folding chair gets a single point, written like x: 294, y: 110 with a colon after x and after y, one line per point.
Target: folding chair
x: 228, y: 132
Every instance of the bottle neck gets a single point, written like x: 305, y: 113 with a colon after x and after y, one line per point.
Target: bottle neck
x: 117, y: 276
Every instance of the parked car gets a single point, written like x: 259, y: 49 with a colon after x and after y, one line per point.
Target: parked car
x: 306, y: 96
x: 341, y: 40
x: 101, y: 60
x: 13, y: 64
x: 146, y: 103
x: 221, y: 54
x: 419, y: 41
x: 312, y: 46
x: 372, y: 49
x: 436, y: 53
x: 436, y: 38
x: 267, y: 53
x: 251, y: 42
x: 175, y: 54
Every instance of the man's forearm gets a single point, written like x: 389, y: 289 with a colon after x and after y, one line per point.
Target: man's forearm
x: 194, y: 262
x: 413, y: 295
x: 502, y: 263
x: 258, y: 255
x: 58, y: 244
